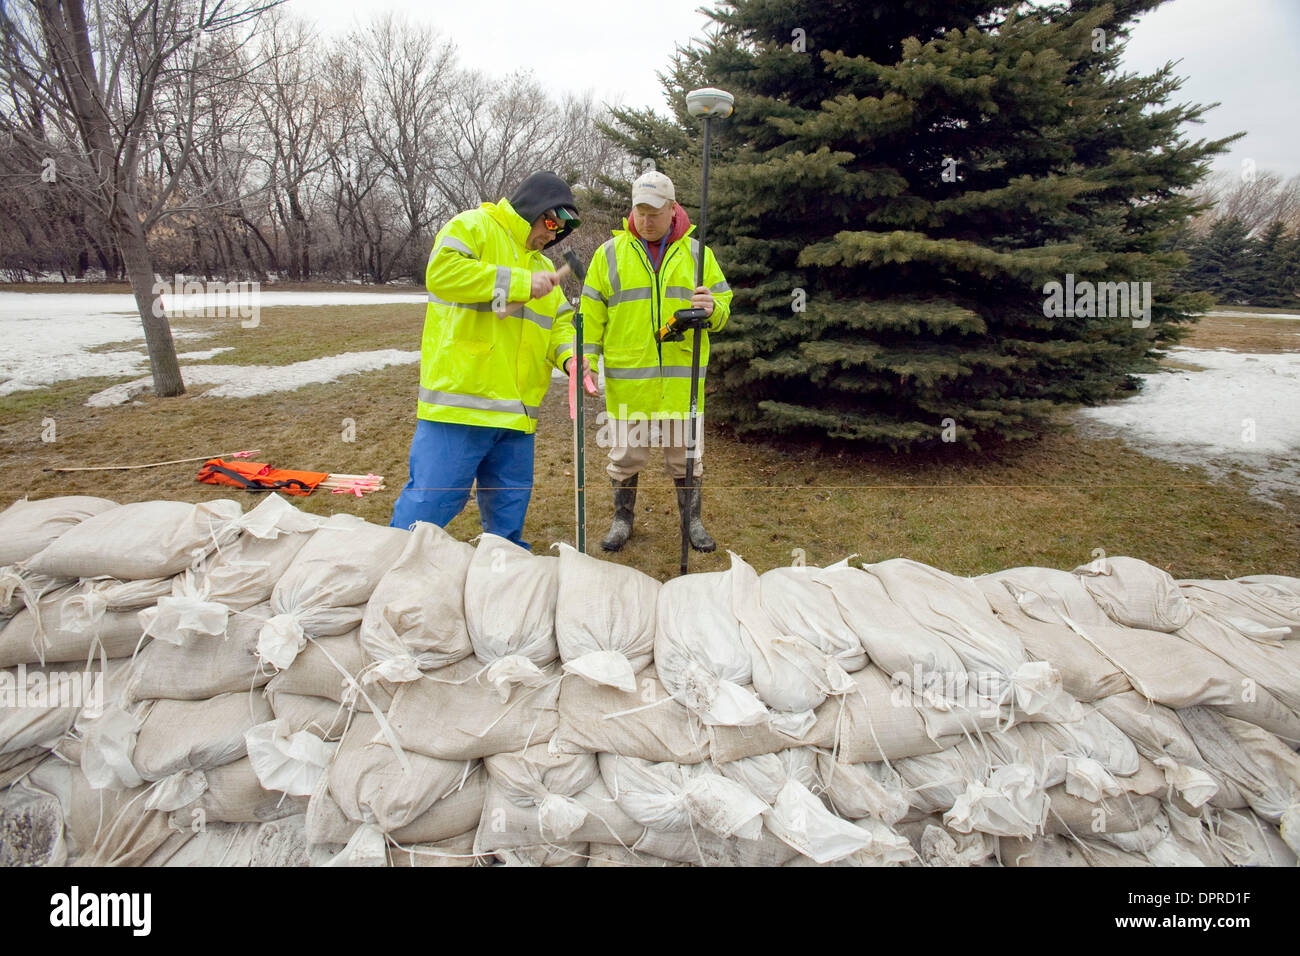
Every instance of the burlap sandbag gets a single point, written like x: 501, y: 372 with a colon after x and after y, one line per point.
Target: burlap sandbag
x: 196, y: 735
x: 604, y: 618
x: 234, y: 795
x: 370, y: 785
x: 510, y: 596
x: 611, y: 854
x: 458, y: 851
x: 703, y: 848
x: 1160, y: 736
x: 14, y: 766
x: 457, y: 714
x: 326, y: 587
x: 103, y: 827
x: 505, y: 825
x: 1275, y: 665
x: 312, y: 674
x: 415, y: 619
x: 453, y: 815
x: 280, y: 843
x: 38, y: 705
x: 664, y: 731
x: 28, y: 527
x: 1135, y: 594
x: 1085, y: 673
x: 877, y: 723
x: 1200, y: 679
x: 205, y: 668
x: 146, y: 539
x: 61, y: 637
x: 1057, y: 851
x: 325, y: 718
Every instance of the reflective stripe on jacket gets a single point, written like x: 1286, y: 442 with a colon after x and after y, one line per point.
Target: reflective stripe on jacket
x: 623, y: 304
x: 477, y: 368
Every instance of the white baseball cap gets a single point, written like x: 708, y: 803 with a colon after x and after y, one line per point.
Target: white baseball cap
x: 654, y: 189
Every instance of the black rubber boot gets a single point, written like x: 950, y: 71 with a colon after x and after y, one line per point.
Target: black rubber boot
x: 700, y: 539
x: 624, y: 513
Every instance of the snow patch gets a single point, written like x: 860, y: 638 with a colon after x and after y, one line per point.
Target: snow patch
x: 1241, y: 410
x: 47, y: 335
x: 245, y: 381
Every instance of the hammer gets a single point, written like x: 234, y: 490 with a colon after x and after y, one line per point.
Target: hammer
x: 517, y: 308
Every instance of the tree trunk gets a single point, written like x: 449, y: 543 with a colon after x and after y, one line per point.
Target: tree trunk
x: 157, y: 330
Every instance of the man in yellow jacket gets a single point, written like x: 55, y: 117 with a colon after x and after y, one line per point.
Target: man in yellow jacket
x: 490, y: 342
x: 635, y: 283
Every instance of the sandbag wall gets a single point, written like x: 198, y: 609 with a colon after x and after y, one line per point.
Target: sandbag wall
x: 190, y: 684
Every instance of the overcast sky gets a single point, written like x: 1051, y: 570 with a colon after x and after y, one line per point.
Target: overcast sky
x: 1240, y: 53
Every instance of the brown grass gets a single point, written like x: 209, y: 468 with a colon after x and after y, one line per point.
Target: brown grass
x: 1050, y: 502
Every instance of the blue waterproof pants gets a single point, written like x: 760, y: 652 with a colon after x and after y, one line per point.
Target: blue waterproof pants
x: 447, y: 458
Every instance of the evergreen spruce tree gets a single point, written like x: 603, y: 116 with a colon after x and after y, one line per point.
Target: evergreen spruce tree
x: 1272, y: 280
x: 1224, y: 262
x: 898, y: 185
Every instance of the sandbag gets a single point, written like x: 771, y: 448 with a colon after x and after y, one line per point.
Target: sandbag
x: 1274, y: 664
x: 1259, y: 611
x: 1266, y: 770
x: 246, y: 571
x: 590, y: 815
x: 955, y: 609
x: 461, y: 714
x: 698, y: 652
x: 279, y: 843
x: 459, y: 812
x: 103, y: 827
x: 147, y: 539
x: 234, y: 795
x: 604, y: 619
x: 28, y: 527
x: 790, y: 675
x: 647, y: 723
x: 319, y: 671
x: 510, y: 597
x: 415, y: 619
x: 682, y: 797
x: 1135, y: 594
x: 1200, y: 679
x: 31, y: 828
x: 859, y: 791
x: 799, y: 604
x: 196, y: 735
x: 205, y: 668
x: 325, y: 590
x: 369, y: 784
x: 38, y: 705
x: 54, y: 635
x: 875, y: 721
x: 766, y: 775
x: 1085, y: 673
x: 325, y: 718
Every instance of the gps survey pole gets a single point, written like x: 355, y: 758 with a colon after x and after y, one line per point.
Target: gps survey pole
x: 576, y: 409
x: 706, y: 103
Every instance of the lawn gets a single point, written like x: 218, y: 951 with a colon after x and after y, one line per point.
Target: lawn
x: 1051, y: 502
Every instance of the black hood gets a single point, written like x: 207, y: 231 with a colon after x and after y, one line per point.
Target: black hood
x: 540, y: 192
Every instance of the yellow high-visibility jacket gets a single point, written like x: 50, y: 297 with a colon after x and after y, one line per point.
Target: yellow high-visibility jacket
x: 476, y: 368
x: 623, y: 304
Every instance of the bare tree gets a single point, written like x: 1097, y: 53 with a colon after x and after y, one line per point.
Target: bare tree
x: 1257, y: 200
x: 102, y: 84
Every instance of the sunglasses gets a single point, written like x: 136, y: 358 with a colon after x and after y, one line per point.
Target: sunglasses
x: 559, y: 221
